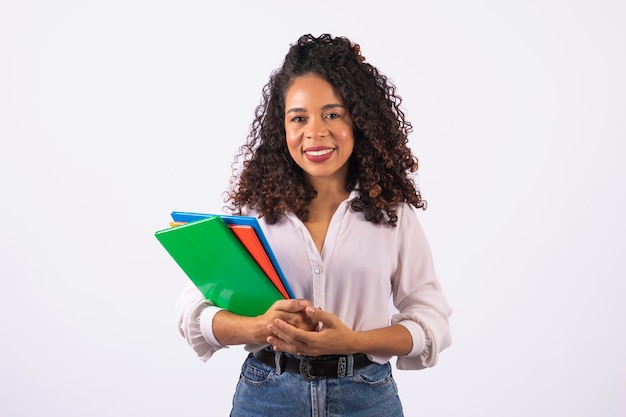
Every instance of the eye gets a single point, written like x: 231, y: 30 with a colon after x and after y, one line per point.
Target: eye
x: 333, y: 115
x: 298, y: 119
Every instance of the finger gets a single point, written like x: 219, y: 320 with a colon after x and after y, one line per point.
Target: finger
x: 292, y: 306
x: 285, y: 331
x: 282, y: 346
x: 318, y: 315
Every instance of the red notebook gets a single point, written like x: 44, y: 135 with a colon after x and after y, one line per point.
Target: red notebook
x: 247, y: 236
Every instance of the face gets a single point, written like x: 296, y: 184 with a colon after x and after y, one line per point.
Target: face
x: 319, y: 129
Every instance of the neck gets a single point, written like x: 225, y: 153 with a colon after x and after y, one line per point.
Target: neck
x: 329, y: 189
x: 329, y: 195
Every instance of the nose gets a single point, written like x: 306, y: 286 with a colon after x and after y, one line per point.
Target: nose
x: 316, y: 129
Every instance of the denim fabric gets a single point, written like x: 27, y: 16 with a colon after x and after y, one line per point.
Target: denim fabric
x: 366, y: 392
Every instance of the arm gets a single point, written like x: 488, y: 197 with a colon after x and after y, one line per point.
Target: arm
x: 422, y: 306
x: 208, y: 328
x: 232, y: 329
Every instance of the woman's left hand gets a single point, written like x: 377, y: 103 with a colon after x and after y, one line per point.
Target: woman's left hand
x: 333, y: 337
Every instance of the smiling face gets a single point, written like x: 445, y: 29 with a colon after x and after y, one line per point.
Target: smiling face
x: 318, y: 129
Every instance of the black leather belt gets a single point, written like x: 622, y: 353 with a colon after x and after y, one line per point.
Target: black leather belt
x: 314, y: 367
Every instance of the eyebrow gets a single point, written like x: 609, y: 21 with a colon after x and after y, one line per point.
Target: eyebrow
x: 325, y: 107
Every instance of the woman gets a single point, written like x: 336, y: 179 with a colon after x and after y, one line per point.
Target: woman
x: 328, y: 172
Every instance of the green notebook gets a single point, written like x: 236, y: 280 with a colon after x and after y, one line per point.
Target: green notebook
x: 219, y: 265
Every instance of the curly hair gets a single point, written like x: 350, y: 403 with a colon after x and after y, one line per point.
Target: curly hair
x: 270, y: 182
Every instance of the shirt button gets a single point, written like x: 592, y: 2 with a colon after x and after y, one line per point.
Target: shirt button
x: 317, y: 270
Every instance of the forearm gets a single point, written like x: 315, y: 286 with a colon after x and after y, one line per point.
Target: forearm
x: 232, y: 329
x: 394, y: 340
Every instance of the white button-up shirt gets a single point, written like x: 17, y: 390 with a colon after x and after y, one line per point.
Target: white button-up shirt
x: 360, y: 268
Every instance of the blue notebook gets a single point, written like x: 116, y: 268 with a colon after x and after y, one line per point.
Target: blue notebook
x: 187, y: 217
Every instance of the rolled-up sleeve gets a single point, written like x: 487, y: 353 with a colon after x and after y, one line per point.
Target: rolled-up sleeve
x: 195, y: 321
x: 422, y: 306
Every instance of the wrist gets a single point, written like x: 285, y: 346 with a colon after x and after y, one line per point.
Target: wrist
x: 356, y: 342
x: 394, y: 340
x: 257, y: 329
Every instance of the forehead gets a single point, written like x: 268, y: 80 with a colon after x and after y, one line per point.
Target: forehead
x: 311, y: 89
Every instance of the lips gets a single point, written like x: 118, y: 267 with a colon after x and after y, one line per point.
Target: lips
x: 318, y: 154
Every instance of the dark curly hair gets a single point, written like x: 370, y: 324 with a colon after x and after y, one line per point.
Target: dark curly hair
x: 270, y: 182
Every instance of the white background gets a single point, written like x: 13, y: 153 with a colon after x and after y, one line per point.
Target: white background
x: 114, y: 113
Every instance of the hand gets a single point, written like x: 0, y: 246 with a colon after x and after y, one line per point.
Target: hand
x: 291, y: 312
x: 333, y: 337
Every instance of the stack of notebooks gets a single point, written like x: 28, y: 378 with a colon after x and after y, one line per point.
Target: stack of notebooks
x: 228, y: 258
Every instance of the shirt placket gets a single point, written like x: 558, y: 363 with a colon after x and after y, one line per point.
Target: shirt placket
x: 319, y: 283
x: 319, y: 261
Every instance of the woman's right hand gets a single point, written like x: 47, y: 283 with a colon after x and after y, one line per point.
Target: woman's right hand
x: 292, y: 311
x: 232, y: 329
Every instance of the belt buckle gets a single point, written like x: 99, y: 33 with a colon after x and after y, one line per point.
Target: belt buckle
x: 305, y: 369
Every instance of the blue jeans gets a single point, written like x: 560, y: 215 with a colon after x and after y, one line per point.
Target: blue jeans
x: 264, y: 391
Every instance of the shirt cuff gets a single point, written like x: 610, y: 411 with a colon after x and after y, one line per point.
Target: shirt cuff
x: 418, y: 335
x: 206, y: 325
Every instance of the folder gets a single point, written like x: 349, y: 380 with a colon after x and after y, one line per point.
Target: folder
x: 277, y: 276
x: 220, y: 266
x: 249, y: 239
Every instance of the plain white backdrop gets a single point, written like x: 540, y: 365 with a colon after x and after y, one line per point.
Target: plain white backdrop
x: 114, y: 113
